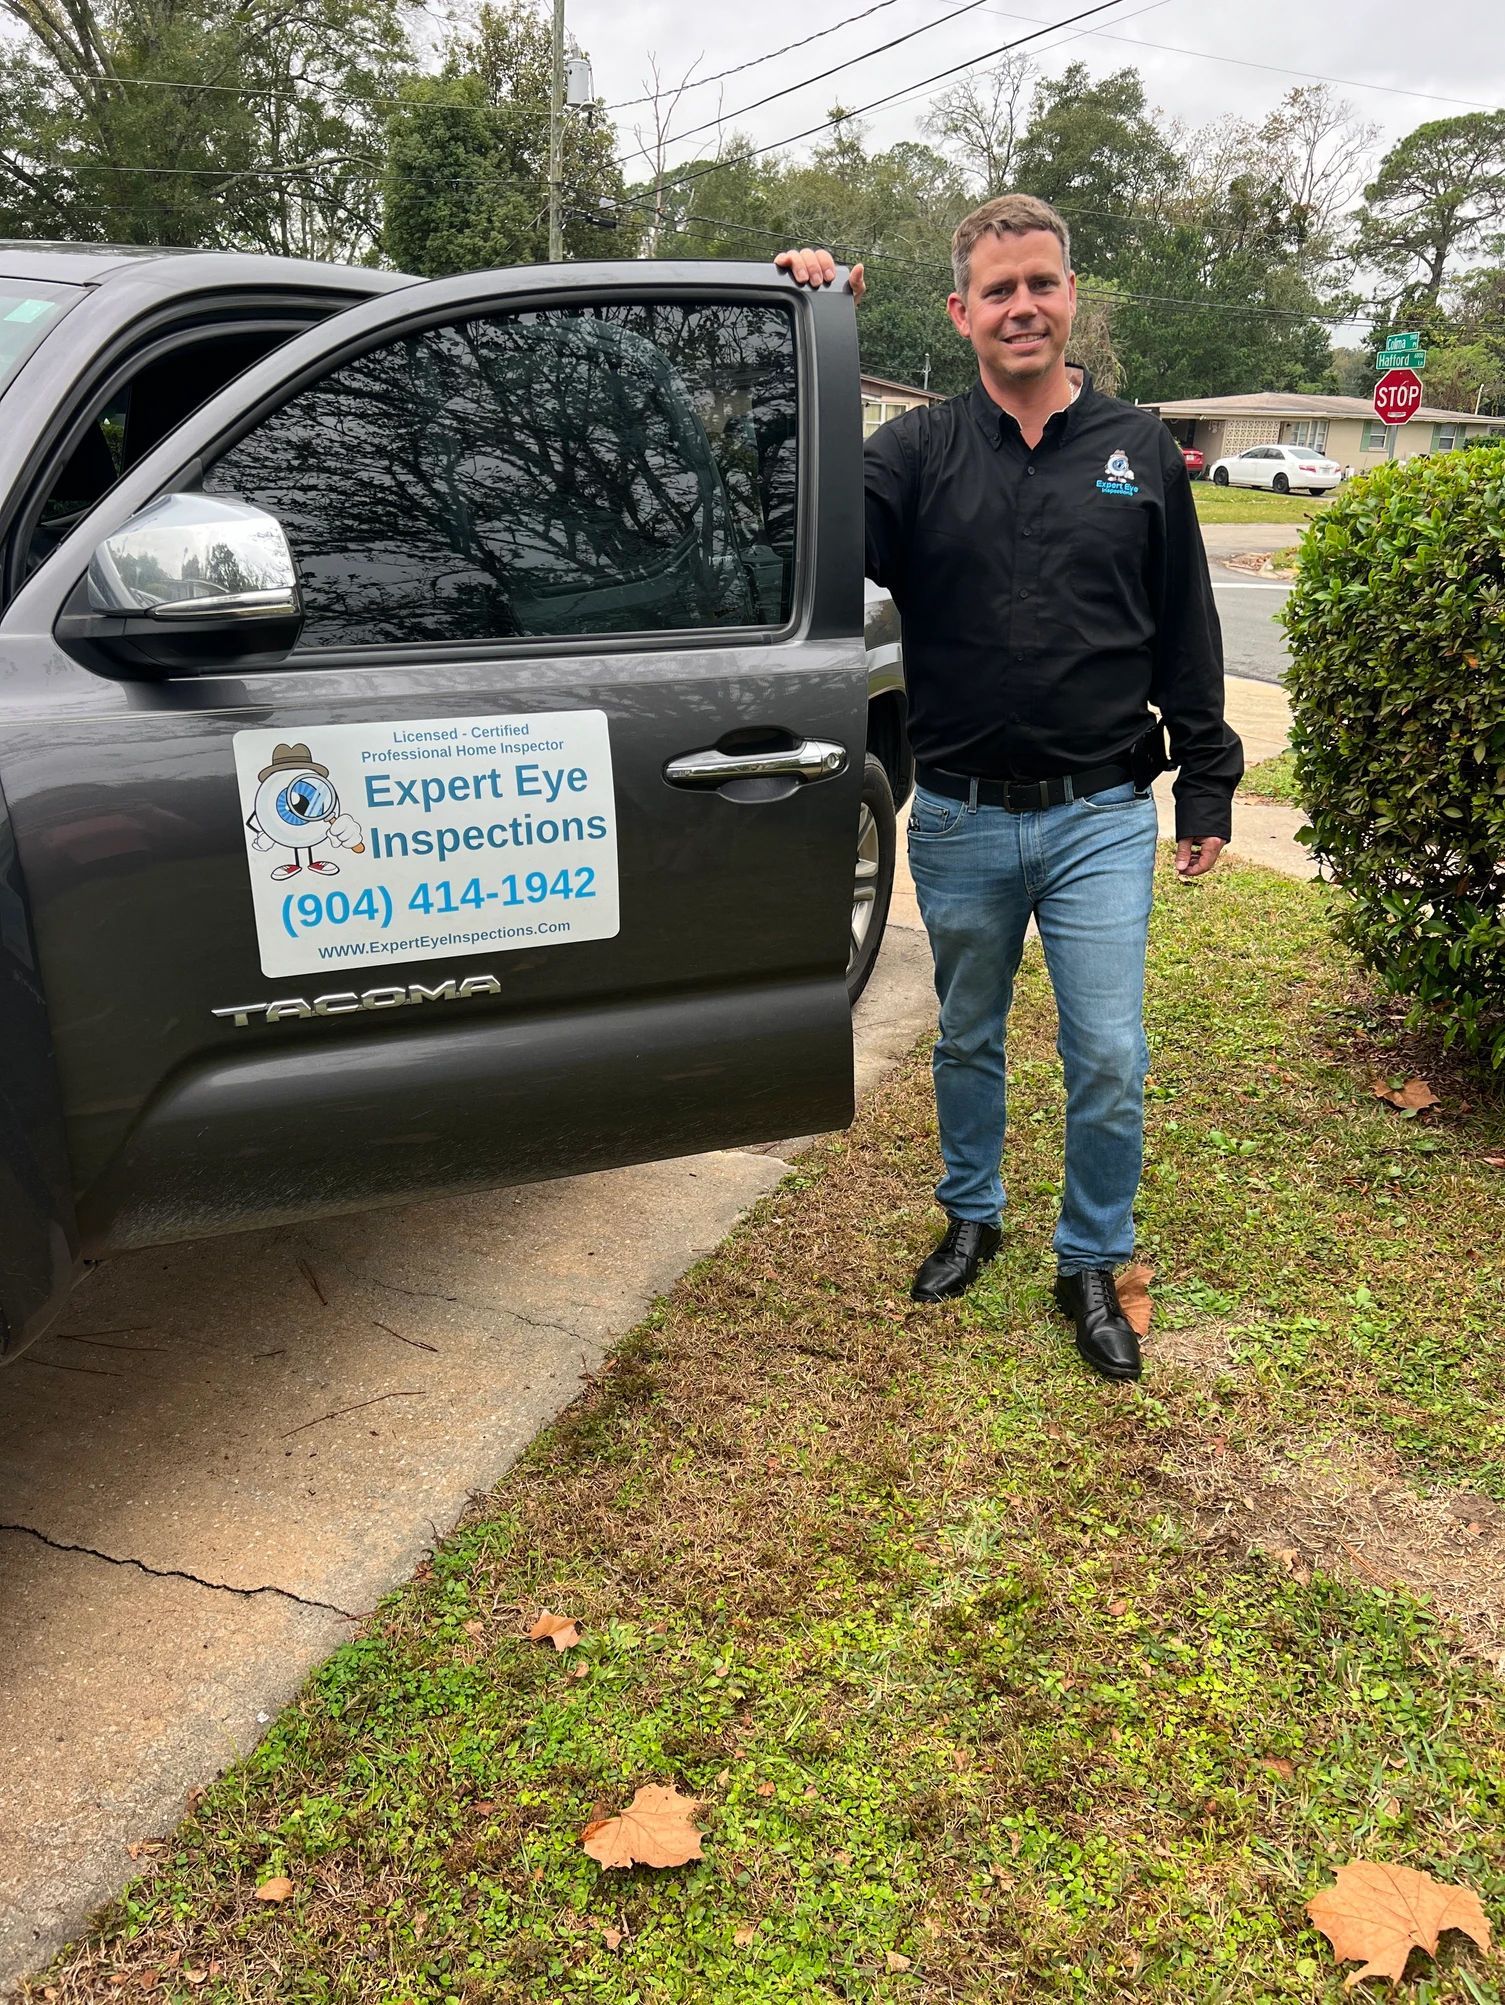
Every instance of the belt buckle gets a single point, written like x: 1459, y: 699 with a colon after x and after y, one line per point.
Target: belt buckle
x: 1036, y: 791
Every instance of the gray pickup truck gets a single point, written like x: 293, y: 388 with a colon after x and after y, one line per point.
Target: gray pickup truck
x: 434, y: 720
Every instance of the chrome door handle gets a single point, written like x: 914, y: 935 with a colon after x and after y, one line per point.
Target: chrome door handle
x: 814, y: 759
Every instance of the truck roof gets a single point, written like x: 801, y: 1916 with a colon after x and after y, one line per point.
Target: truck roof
x: 95, y: 264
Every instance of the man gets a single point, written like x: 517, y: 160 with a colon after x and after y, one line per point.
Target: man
x: 1040, y: 542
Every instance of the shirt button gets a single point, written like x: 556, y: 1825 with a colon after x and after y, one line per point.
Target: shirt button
x: 1024, y: 595
x: 1030, y: 471
x: 1026, y: 532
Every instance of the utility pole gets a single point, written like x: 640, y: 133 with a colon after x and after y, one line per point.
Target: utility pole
x: 556, y: 141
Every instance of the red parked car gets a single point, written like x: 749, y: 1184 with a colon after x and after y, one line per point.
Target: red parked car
x: 1196, y: 461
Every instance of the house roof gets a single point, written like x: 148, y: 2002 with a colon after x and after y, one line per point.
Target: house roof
x: 1290, y: 404
x: 904, y: 389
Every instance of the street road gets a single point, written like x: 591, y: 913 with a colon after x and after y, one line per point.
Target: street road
x: 1253, y: 643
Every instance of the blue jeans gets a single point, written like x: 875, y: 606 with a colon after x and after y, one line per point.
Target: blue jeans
x: 1085, y: 871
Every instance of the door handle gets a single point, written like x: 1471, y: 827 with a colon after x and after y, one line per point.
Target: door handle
x: 812, y: 759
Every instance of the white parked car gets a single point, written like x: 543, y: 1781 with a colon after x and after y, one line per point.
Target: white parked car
x: 1280, y: 468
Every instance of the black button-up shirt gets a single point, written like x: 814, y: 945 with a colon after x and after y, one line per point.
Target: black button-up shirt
x: 1051, y: 596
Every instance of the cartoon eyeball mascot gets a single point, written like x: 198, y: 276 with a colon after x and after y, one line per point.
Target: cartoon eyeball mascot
x: 296, y: 809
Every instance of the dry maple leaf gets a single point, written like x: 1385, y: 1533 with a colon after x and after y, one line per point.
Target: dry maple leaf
x: 656, y: 1829
x: 1134, y: 1297
x: 275, y: 1890
x: 1382, y: 1913
x: 1415, y: 1094
x: 563, y: 1631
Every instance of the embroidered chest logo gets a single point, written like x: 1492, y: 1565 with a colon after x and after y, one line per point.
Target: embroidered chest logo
x: 1119, y: 475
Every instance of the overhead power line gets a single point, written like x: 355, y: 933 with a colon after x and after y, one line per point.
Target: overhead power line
x: 820, y: 77
x: 858, y: 111
x: 1249, y: 63
x: 753, y: 62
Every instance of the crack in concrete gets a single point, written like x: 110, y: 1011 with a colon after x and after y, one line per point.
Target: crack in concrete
x: 458, y: 1301
x: 176, y: 1573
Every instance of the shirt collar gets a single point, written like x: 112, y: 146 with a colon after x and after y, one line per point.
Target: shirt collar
x: 997, y: 425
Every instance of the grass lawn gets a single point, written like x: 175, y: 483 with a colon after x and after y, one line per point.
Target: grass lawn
x: 1253, y: 504
x: 998, y: 1683
x: 1273, y: 779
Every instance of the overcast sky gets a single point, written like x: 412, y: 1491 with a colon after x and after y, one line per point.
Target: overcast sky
x: 1445, y: 47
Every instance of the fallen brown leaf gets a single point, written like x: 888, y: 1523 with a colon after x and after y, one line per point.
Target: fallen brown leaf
x: 765, y: 1789
x: 656, y: 1829
x: 612, y: 1937
x: 1279, y: 1765
x: 1416, y: 1093
x: 1381, y: 1913
x: 1134, y: 1297
x: 563, y: 1631
x: 195, y: 1976
x: 1119, y: 1607
x: 746, y: 1934
x: 485, y: 1808
x: 893, y: 1961
x: 278, y: 1889
x: 475, y: 1628
x: 1493, y: 1162
x: 146, y: 1848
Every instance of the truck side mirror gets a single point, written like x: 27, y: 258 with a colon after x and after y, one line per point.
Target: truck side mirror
x: 192, y: 581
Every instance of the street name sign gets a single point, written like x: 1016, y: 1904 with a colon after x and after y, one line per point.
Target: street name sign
x: 1397, y: 396
x: 1401, y: 358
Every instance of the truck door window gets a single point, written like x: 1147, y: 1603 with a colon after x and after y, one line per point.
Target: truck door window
x: 142, y: 410
x: 627, y: 468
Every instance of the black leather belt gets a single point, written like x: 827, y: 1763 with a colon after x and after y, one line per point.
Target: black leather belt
x: 1021, y: 797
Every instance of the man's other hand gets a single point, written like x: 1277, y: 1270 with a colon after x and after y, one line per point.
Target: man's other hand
x: 1196, y: 858
x: 818, y: 268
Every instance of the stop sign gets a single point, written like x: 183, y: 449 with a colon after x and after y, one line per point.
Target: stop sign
x: 1397, y: 396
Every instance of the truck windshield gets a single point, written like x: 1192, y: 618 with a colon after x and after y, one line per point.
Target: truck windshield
x: 28, y: 309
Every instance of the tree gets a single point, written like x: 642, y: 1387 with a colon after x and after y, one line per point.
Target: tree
x: 467, y: 169
x: 1438, y: 194
x: 178, y: 121
x: 1095, y: 152
x: 1318, y: 149
x: 979, y: 122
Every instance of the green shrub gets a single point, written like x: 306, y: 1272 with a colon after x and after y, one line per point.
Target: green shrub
x: 1397, y: 686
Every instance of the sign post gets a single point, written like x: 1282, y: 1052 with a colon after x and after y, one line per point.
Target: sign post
x: 1397, y: 396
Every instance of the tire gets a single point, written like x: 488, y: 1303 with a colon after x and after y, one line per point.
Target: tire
x: 1315, y: 492
x: 1280, y: 484
x: 1220, y: 476
x: 873, y: 883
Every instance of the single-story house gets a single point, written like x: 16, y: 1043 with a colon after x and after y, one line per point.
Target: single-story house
x: 882, y: 400
x: 1344, y: 428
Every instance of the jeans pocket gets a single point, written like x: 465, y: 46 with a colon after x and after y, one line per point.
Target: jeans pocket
x: 932, y: 815
x: 1124, y: 795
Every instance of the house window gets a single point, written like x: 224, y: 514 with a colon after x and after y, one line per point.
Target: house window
x: 1307, y: 432
x: 1446, y: 438
x: 1377, y: 438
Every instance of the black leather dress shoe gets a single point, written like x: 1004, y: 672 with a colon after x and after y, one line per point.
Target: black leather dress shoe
x: 953, y: 1266
x: 1104, y: 1335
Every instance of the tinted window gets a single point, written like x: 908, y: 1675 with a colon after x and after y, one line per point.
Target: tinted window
x: 27, y: 311
x: 620, y: 469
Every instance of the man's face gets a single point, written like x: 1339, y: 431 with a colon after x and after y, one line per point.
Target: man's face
x: 1019, y: 307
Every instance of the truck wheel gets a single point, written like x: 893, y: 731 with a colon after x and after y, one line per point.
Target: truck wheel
x: 873, y: 884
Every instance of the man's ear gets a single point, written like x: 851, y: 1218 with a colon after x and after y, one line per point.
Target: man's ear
x: 956, y: 306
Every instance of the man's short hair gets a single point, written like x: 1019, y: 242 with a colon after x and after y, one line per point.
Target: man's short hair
x: 1004, y: 216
